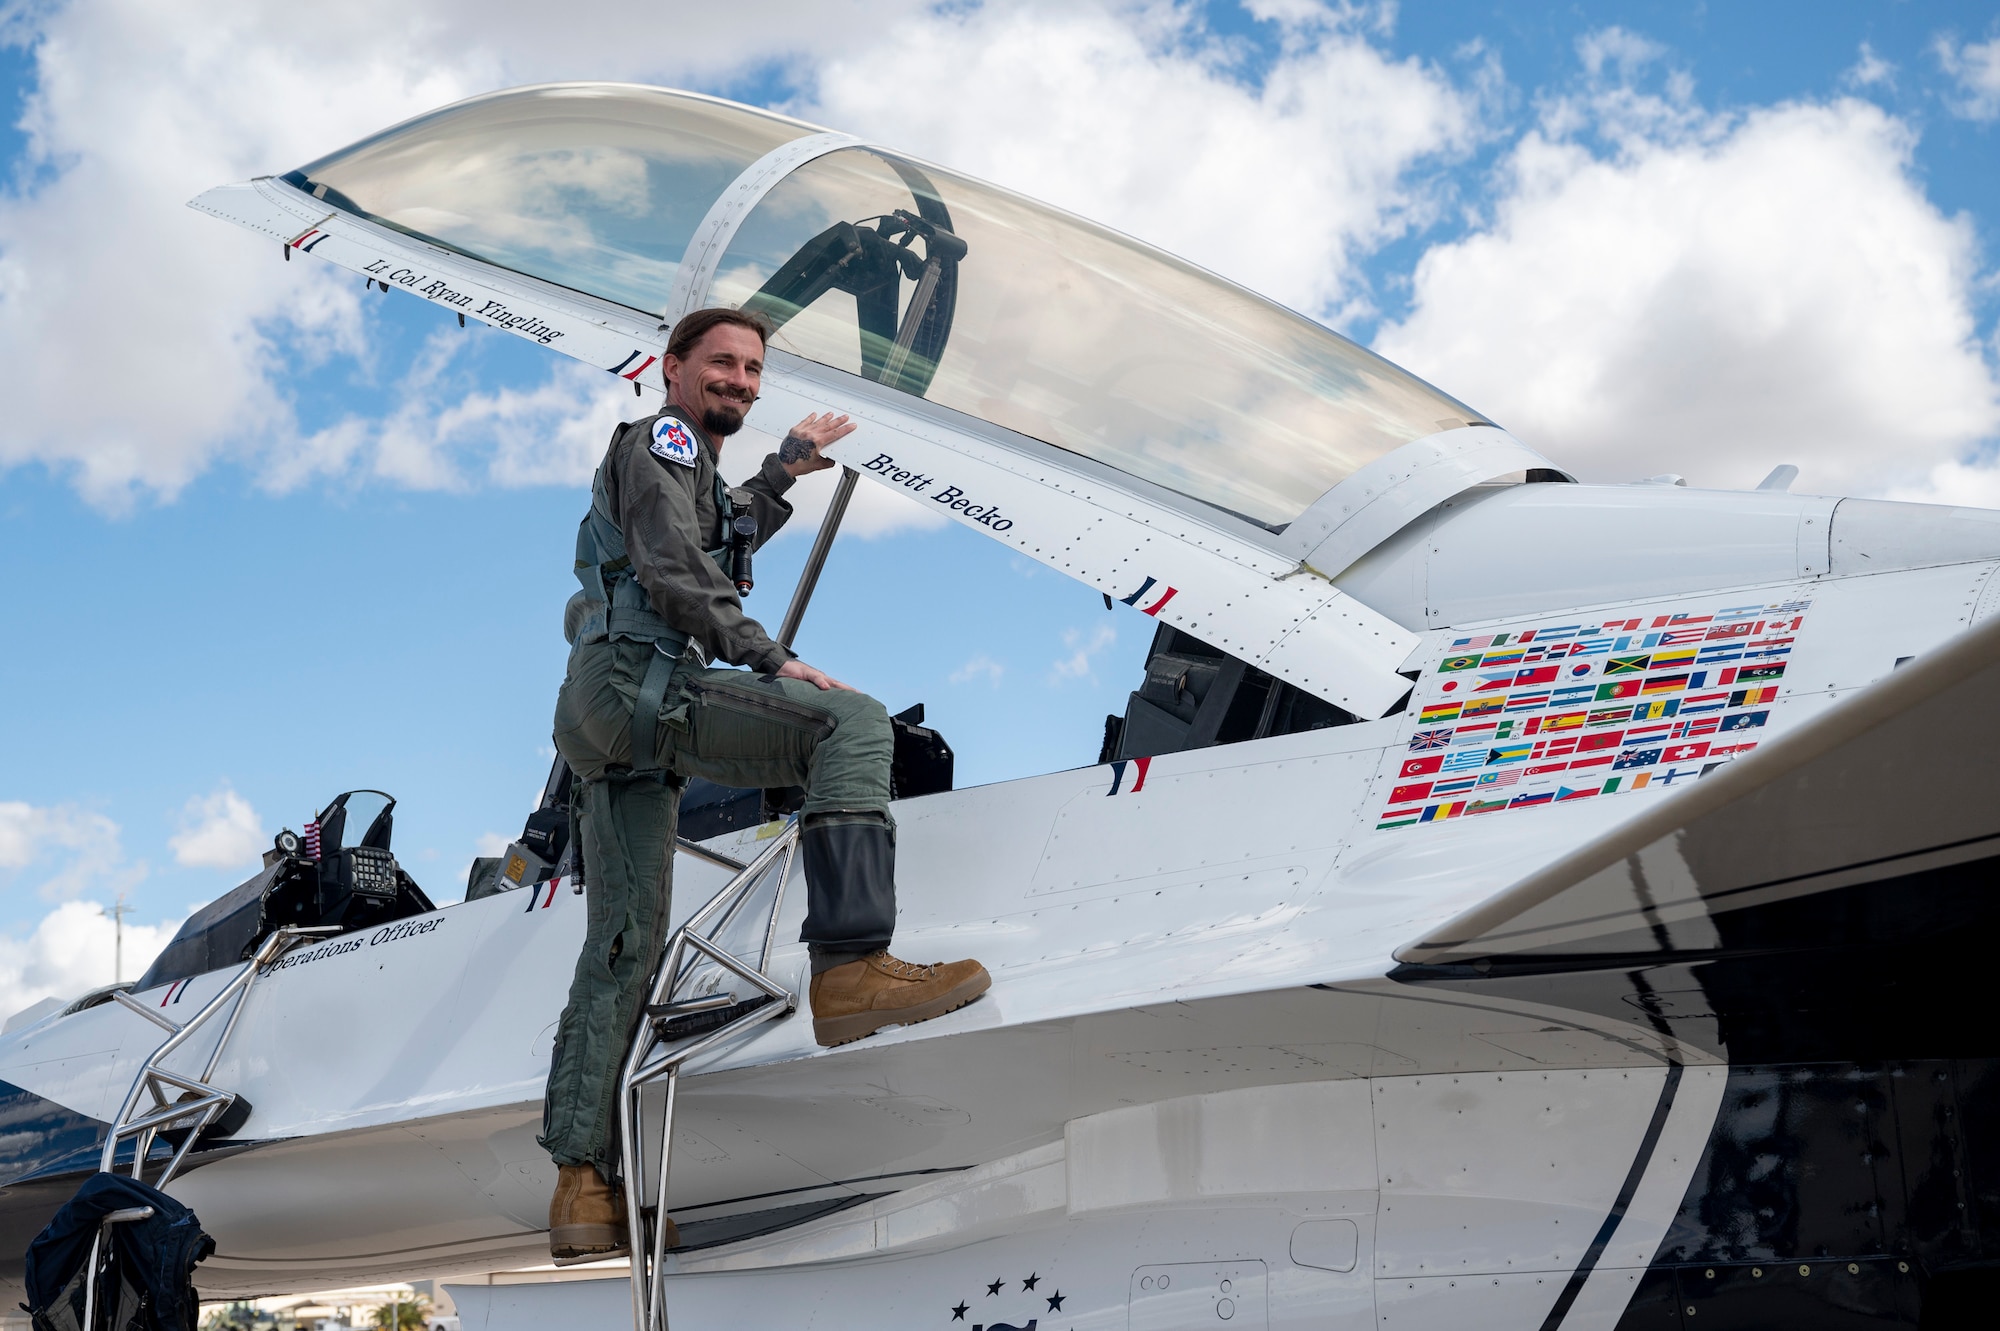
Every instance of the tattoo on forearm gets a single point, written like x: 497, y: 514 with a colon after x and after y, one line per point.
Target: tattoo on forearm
x: 795, y: 448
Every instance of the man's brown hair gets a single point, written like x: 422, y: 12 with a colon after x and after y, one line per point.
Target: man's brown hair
x: 692, y: 328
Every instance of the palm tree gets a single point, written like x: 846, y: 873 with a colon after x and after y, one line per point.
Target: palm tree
x: 409, y: 1314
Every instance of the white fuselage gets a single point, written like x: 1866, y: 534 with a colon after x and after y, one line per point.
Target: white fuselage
x: 1190, y: 1068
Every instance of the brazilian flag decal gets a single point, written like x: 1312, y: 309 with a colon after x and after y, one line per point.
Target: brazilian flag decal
x: 1459, y: 662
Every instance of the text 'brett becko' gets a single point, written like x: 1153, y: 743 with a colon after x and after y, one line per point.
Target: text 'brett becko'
x: 951, y: 496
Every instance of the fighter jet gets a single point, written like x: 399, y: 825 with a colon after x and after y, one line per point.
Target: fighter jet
x: 1503, y: 902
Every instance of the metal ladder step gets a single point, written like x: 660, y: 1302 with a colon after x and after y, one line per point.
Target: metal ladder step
x: 682, y: 1025
x: 678, y: 1021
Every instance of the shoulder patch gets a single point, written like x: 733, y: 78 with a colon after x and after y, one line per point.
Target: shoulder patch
x: 672, y: 442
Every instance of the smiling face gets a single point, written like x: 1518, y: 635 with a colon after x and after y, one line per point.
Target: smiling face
x: 718, y: 379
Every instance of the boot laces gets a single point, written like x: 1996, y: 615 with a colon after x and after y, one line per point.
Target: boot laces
x: 905, y: 970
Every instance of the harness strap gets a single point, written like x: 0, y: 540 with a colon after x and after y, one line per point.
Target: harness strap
x: 646, y: 707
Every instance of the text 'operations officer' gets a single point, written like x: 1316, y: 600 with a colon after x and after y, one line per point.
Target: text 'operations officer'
x: 640, y: 712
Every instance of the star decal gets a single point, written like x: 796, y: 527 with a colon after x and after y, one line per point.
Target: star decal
x: 1029, y: 1283
x: 993, y: 1289
x: 1056, y: 1302
x: 958, y: 1313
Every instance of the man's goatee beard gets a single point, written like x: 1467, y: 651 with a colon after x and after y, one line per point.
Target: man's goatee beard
x: 721, y: 422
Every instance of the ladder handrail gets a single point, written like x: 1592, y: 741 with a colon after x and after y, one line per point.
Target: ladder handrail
x: 125, y: 1000
x: 210, y: 1102
x: 646, y: 1064
x: 214, y: 1101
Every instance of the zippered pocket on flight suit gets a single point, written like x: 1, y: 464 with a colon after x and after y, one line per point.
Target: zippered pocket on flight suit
x: 769, y: 707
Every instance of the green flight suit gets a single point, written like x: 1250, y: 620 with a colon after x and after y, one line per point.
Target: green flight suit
x: 640, y: 711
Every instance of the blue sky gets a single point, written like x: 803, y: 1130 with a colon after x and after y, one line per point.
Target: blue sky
x: 251, y: 562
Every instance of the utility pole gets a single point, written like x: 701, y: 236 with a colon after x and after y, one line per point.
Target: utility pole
x: 117, y: 914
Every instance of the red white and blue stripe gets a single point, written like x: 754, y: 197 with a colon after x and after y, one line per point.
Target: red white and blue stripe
x: 1148, y: 601
x: 632, y: 366
x: 1137, y: 767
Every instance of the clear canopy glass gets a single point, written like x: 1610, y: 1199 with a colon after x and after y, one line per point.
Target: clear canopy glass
x: 593, y: 186
x: 971, y: 296
x: 1073, y: 334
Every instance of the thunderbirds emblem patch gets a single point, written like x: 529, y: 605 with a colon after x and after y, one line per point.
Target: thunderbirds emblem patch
x: 672, y: 442
x: 1675, y: 705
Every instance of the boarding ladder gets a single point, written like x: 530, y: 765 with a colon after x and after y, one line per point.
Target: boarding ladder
x: 180, y: 1103
x: 707, y: 993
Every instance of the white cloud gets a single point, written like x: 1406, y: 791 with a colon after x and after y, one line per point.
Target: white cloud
x: 71, y: 952
x: 1868, y: 70
x: 71, y: 850
x: 1298, y: 15
x: 161, y: 342
x: 1713, y: 295
x: 218, y: 831
x: 66, y: 851
x: 1616, y: 50
x: 445, y: 431
x: 979, y: 667
x: 1974, y: 483
x: 1975, y: 68
x: 1083, y: 652
x: 155, y: 334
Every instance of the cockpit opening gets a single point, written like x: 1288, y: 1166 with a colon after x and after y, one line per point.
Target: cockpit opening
x: 922, y: 764
x: 869, y: 260
x: 1194, y: 696
x: 333, y: 874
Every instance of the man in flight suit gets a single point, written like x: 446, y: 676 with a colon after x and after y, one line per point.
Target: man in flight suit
x: 640, y: 711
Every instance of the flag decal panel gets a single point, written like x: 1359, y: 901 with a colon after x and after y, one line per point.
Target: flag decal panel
x: 1573, y: 710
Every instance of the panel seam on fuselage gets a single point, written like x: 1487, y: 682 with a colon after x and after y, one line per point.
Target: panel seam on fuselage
x: 1626, y: 1192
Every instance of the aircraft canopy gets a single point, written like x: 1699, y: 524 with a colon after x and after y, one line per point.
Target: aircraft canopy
x: 597, y: 188
x: 1013, y: 312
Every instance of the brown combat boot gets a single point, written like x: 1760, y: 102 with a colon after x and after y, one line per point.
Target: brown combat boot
x: 861, y: 997
x: 587, y: 1217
